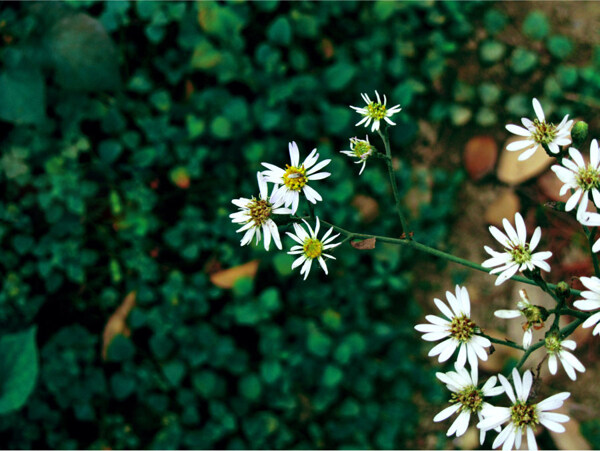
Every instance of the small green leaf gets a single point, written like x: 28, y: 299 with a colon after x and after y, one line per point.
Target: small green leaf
x: 283, y: 264
x: 491, y: 51
x: 22, y: 96
x: 250, y: 387
x: 332, y: 376
x: 339, y: 75
x: 122, y: 385
x: 460, y: 115
x: 18, y: 369
x: 536, y: 25
x: 560, y: 46
x: 110, y: 150
x: 280, y: 31
x: 174, y: 371
x: 494, y: 21
x: 120, y: 349
x: 522, y: 61
x: 221, y: 127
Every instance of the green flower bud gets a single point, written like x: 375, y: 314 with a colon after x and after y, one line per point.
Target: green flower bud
x: 579, y: 133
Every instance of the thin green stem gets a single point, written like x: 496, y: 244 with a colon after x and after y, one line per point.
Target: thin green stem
x: 394, y: 182
x: 563, y: 333
x: 436, y: 252
x: 590, y: 236
x: 511, y: 344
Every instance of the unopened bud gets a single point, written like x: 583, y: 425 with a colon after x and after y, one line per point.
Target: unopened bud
x: 579, y: 133
x: 563, y: 289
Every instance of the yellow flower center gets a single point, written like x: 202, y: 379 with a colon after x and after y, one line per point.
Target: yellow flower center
x: 470, y: 399
x: 376, y: 110
x: 520, y: 254
x: 544, y: 132
x: 294, y: 178
x: 523, y: 414
x: 462, y: 328
x: 260, y: 210
x: 312, y: 247
x: 362, y: 149
x: 588, y: 178
x: 552, y: 344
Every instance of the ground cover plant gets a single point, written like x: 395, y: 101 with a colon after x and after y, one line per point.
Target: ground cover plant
x: 131, y: 317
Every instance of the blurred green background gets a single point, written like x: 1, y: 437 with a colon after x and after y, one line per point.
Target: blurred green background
x: 128, y: 127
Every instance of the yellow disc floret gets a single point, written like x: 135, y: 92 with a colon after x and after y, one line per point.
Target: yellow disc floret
x: 376, y: 110
x: 523, y: 414
x: 588, y: 178
x: 312, y: 247
x: 520, y: 254
x: 462, y: 328
x: 470, y: 398
x: 544, y: 132
x: 260, y: 210
x: 294, y: 178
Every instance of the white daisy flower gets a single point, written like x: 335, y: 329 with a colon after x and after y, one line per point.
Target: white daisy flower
x: 556, y: 351
x: 295, y: 178
x: 538, y: 132
x: 583, y: 179
x: 375, y: 111
x: 361, y: 149
x: 466, y: 399
x: 310, y: 247
x: 457, y: 331
x: 531, y: 313
x: 591, y: 220
x: 255, y: 214
x: 523, y: 417
x: 591, y: 302
x: 517, y: 255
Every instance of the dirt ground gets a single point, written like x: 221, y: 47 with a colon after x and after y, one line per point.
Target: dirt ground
x: 580, y: 21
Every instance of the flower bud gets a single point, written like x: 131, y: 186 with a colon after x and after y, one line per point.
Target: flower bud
x: 562, y: 289
x: 579, y: 133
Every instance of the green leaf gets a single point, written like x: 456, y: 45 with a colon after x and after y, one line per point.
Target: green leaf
x: 120, y: 349
x: 332, y: 376
x: 221, y: 127
x: 491, y: 51
x: 339, y: 75
x: 522, y: 61
x: 83, y: 54
x: 494, y: 21
x: 283, y: 264
x: 536, y: 25
x: 18, y: 369
x: 122, y: 385
x: 205, y: 56
x: 486, y: 117
x: 460, y: 115
x: 270, y: 371
x: 560, y: 46
x: 489, y: 93
x: 250, y: 387
x: 174, y: 371
x: 280, y: 31
x: 22, y: 96
x: 110, y: 150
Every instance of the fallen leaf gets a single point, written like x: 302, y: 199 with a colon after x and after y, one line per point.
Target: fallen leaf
x: 116, y: 323
x: 514, y: 172
x: 227, y: 277
x: 363, y: 245
x: 367, y: 207
x: 480, y: 155
x: 572, y: 437
x: 505, y: 206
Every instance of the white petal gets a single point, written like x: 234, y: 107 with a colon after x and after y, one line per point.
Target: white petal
x: 539, y: 112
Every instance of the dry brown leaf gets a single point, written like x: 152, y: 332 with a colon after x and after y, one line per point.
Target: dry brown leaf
x: 367, y: 207
x: 116, y: 323
x: 363, y: 245
x: 481, y: 153
x: 227, y: 277
x: 572, y: 437
x: 514, y: 172
x: 505, y: 206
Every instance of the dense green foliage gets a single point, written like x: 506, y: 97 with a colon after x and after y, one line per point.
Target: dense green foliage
x: 129, y: 127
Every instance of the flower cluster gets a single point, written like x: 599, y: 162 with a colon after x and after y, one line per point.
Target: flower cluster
x: 256, y: 215
x: 519, y: 420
